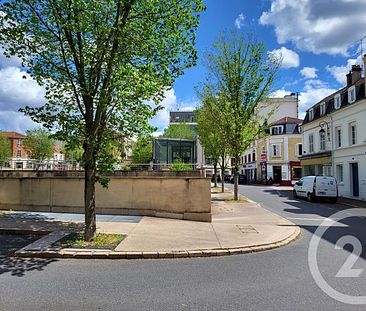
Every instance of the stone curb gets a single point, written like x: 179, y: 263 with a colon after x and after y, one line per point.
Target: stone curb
x: 108, y: 254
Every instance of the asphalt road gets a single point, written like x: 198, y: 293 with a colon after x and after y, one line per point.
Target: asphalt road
x: 274, y: 280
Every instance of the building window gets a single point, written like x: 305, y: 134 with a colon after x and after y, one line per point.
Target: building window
x: 276, y: 151
x: 338, y: 137
x: 249, y: 159
x: 19, y: 153
x: 311, y: 114
x: 352, y: 94
x: 253, y: 156
x: 19, y: 142
x: 322, y: 109
x: 322, y: 141
x: 277, y: 130
x: 245, y: 159
x: 327, y: 170
x: 339, y: 172
x: 298, y: 149
x: 352, y: 134
x: 311, y: 143
x: 232, y: 162
x: 337, y: 101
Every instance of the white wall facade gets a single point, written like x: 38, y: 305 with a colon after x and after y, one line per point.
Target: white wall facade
x: 351, y: 154
x: 279, y: 107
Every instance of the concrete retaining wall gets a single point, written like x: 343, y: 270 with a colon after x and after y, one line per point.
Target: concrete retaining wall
x: 172, y: 197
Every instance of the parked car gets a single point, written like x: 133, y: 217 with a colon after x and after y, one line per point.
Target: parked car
x: 227, y: 178
x: 313, y: 187
x: 242, y: 179
x: 218, y: 179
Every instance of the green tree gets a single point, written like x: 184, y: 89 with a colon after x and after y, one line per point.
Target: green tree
x: 180, y: 130
x: 142, y: 150
x: 5, y: 149
x: 211, y: 130
x: 100, y: 61
x: 39, y: 145
x: 73, y: 153
x: 243, y: 73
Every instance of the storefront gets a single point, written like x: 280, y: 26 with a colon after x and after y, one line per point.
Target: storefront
x: 296, y: 171
x: 317, y: 164
x: 250, y: 171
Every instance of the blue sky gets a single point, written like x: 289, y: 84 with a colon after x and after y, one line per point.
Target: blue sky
x: 319, y: 41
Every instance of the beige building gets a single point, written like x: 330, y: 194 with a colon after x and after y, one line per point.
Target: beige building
x: 276, y: 156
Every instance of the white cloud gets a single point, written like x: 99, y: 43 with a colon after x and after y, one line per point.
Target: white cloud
x: 289, y: 58
x: 313, y: 92
x: 309, y: 97
x: 239, y: 21
x: 7, y: 62
x: 339, y: 72
x: 327, y: 26
x: 280, y: 93
x: 17, y: 92
x: 309, y: 72
x: 15, y: 121
x: 314, y: 84
x: 161, y: 120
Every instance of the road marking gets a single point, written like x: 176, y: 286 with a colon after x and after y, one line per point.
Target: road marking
x: 321, y: 219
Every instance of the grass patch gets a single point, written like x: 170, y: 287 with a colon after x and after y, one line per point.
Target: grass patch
x: 100, y: 240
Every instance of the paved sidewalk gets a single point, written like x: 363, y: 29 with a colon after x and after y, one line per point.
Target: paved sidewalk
x: 236, y: 228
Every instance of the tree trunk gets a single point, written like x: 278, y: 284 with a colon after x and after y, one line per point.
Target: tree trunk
x: 223, y: 174
x: 89, y: 193
x: 215, y: 174
x: 236, y: 178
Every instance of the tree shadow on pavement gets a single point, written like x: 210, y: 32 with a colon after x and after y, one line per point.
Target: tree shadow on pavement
x: 35, y: 222
x: 18, y: 266
x: 280, y: 193
x: 349, y: 226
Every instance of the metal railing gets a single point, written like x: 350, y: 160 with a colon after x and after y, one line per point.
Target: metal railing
x: 59, y: 165
x: 34, y: 165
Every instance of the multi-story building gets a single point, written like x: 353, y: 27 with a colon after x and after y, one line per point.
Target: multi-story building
x: 334, y: 134
x: 19, y: 155
x: 276, y: 156
x: 255, y: 159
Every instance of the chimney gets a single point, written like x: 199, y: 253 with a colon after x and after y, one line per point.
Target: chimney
x: 349, y: 79
x: 356, y: 73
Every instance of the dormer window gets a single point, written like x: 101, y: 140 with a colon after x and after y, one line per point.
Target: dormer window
x: 322, y: 109
x: 337, y: 101
x: 352, y: 94
x: 277, y: 130
x: 311, y: 114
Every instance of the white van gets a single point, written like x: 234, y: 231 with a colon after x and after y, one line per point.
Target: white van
x: 312, y: 187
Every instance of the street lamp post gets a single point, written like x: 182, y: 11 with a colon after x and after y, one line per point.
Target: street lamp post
x: 323, y: 124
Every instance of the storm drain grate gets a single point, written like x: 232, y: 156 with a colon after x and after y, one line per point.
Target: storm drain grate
x: 247, y: 229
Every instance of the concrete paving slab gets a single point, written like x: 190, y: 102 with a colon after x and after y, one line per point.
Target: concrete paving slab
x: 156, y: 234
x: 236, y: 228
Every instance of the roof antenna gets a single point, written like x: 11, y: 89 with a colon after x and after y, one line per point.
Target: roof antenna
x: 361, y: 53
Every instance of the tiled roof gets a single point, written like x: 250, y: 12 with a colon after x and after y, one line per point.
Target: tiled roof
x: 12, y: 135
x: 287, y: 120
x: 329, y: 100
